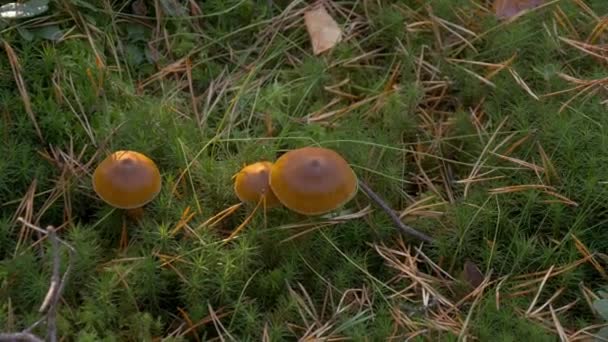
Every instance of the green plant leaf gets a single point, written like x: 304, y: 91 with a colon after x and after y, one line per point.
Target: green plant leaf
x: 32, y: 8
x: 601, y: 306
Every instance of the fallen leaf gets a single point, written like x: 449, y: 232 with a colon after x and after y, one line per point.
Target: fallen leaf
x: 472, y: 274
x: 510, y: 8
x: 323, y: 30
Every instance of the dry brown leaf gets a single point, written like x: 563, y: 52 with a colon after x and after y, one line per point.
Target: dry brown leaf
x: 323, y: 30
x: 510, y: 8
x: 472, y: 274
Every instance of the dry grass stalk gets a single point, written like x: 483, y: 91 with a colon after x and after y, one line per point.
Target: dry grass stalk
x: 325, y: 324
x: 436, y: 312
x: 316, y: 225
x: 188, y: 321
x: 520, y: 162
x: 583, y: 87
x: 219, y: 327
x: 432, y: 310
x: 49, y: 305
x: 598, y: 30
x: 550, y: 174
x: 16, y: 67
x: 580, y: 246
x: 212, y: 317
x: 421, y: 208
x: 25, y: 210
x: 546, y: 189
x: 495, y: 69
x: 183, y: 221
x: 78, y: 110
x: 482, y: 157
x: 318, y: 117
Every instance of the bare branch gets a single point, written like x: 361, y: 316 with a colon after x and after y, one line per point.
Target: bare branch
x: 52, y: 235
x: 53, y: 294
x: 396, y: 220
x: 49, y: 304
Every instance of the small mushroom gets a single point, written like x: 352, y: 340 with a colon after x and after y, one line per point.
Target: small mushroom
x: 127, y: 180
x: 313, y: 180
x: 251, y: 185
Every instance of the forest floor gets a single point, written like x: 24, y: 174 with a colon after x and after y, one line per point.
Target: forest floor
x: 488, y: 134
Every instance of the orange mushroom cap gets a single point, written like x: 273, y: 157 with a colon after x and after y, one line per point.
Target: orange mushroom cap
x: 252, y: 183
x: 127, y: 180
x: 313, y: 180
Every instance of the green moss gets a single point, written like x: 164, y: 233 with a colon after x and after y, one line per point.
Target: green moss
x: 504, y: 325
x: 251, y: 66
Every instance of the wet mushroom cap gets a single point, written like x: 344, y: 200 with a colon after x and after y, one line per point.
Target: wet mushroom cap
x: 313, y: 180
x: 252, y: 182
x: 127, y: 180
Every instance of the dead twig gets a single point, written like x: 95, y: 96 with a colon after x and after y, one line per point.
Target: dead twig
x: 396, y: 220
x: 49, y: 304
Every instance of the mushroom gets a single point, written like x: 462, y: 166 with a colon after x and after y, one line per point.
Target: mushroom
x: 127, y: 180
x: 251, y: 185
x: 313, y: 180
x: 316, y: 180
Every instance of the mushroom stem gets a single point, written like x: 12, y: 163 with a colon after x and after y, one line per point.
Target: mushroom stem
x: 124, y: 237
x: 135, y: 214
x: 396, y: 220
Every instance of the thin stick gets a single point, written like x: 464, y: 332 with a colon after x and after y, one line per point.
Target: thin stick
x: 396, y: 220
x: 53, y: 294
x: 55, y: 289
x: 52, y: 235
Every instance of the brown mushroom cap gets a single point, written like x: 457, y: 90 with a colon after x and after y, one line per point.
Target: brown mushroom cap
x: 313, y: 180
x: 127, y: 180
x: 251, y: 183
